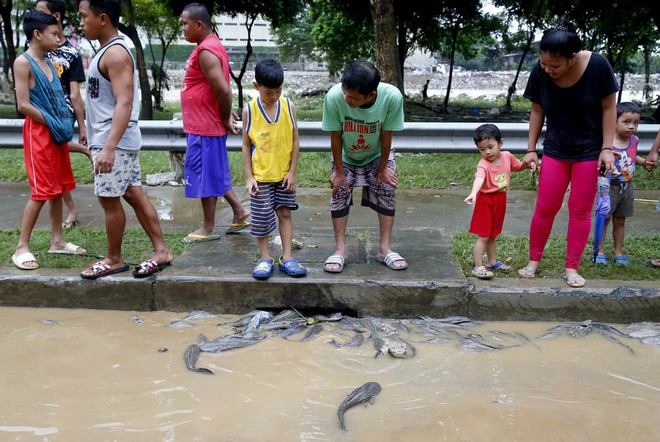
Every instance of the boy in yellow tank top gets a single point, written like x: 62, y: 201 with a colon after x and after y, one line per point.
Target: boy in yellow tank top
x: 270, y: 155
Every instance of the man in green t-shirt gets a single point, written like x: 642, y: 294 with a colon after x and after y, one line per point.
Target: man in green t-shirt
x: 361, y: 113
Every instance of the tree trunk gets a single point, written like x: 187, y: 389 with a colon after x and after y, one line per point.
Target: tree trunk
x: 402, y: 32
x: 454, y: 40
x: 146, y: 112
x: 8, y: 46
x: 512, y: 88
x: 249, y: 22
x: 621, y: 83
x: 385, y: 32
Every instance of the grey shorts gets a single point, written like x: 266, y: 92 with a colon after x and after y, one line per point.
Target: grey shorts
x: 380, y: 198
x: 622, y: 199
x: 125, y: 172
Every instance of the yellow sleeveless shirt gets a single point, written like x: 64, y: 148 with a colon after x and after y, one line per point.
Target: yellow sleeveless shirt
x: 272, y: 141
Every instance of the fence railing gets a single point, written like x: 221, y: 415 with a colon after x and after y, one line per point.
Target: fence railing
x: 416, y: 137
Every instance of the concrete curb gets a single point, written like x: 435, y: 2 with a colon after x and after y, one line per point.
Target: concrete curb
x: 393, y: 299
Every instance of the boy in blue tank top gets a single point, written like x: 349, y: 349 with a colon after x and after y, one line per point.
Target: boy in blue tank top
x: 270, y: 155
x: 46, y: 132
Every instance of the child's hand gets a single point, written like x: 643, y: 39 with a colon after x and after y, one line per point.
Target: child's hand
x: 471, y: 198
x: 289, y: 182
x: 251, y: 186
x: 649, y: 166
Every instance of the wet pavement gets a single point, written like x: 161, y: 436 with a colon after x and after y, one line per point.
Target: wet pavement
x: 216, y: 275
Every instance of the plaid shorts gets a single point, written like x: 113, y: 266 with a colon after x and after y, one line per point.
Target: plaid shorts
x: 125, y: 173
x: 380, y: 198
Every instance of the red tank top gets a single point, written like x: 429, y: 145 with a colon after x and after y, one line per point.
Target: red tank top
x: 199, y: 108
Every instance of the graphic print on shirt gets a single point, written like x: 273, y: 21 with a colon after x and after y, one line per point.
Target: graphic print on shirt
x: 624, y: 166
x: 502, y: 182
x: 93, y: 85
x: 361, y: 127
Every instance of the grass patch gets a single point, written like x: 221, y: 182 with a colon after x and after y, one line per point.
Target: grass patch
x: 136, y: 246
x: 425, y: 171
x: 514, y: 251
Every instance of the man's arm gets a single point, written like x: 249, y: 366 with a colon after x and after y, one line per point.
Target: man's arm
x: 212, y: 70
x: 77, y: 102
x: 385, y: 174
x: 22, y: 74
x: 338, y: 179
x: 117, y: 66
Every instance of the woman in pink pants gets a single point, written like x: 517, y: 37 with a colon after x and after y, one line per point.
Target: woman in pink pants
x: 574, y: 91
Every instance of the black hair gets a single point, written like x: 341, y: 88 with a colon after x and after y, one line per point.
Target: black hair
x: 361, y: 76
x: 269, y: 73
x: 36, y: 21
x: 561, y: 40
x: 111, y: 8
x: 55, y: 7
x: 627, y: 106
x: 197, y: 11
x: 486, y: 131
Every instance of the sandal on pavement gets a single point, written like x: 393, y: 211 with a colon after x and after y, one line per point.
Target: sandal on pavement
x: 69, y: 249
x: 100, y: 269
x: 24, y: 258
x: 291, y: 267
x: 264, y: 269
x: 621, y: 260
x: 149, y: 267
x: 499, y: 266
x: 482, y: 272
x: 392, y: 258
x: 575, y: 280
x: 601, y: 259
x: 337, y: 260
x: 193, y: 238
x: 527, y: 272
x: 237, y: 227
x: 69, y: 224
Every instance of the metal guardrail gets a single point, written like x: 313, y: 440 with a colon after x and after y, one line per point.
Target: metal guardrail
x: 416, y: 137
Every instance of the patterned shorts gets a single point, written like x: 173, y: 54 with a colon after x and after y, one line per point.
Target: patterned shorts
x: 263, y: 205
x: 125, y: 172
x: 380, y: 198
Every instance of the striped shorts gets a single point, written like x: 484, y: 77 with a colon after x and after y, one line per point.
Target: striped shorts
x: 269, y: 198
x: 380, y: 198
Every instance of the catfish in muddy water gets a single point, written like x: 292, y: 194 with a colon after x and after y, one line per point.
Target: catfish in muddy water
x: 365, y: 393
x: 190, y: 357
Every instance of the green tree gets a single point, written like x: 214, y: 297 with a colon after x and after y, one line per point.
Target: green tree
x: 461, y: 25
x: 158, y: 23
x: 530, y: 16
x: 277, y: 12
x: 130, y: 29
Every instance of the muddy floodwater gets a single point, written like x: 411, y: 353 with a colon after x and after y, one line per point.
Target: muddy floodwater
x: 84, y: 375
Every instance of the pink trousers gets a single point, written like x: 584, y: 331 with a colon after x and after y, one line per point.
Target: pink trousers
x: 553, y: 182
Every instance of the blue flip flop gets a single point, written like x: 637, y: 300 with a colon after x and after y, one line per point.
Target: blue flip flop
x: 291, y: 267
x: 263, y: 269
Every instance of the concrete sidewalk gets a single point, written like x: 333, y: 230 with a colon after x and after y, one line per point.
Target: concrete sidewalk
x: 216, y: 275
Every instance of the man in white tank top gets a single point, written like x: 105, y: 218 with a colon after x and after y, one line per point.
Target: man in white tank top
x: 115, y: 140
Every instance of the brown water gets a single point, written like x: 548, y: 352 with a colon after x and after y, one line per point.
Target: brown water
x: 98, y: 376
